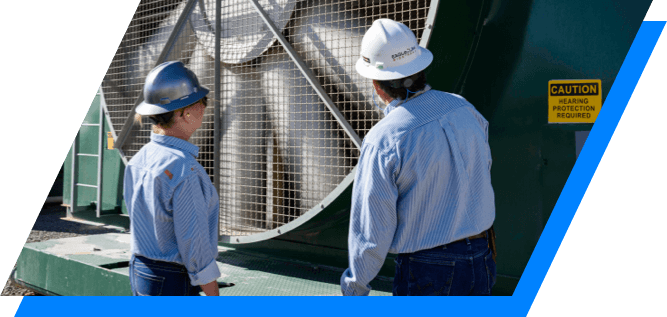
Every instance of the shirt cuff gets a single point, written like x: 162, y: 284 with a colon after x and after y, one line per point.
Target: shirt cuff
x: 350, y: 288
x: 209, y: 274
x: 348, y: 291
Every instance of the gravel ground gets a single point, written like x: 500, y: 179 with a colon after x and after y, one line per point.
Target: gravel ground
x: 50, y: 225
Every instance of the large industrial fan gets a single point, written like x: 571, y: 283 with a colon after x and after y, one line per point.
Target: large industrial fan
x: 291, y: 109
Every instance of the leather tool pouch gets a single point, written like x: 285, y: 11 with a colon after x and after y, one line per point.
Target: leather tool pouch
x: 492, y: 243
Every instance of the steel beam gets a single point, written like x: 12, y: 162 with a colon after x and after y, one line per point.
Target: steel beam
x: 100, y: 153
x: 129, y: 122
x: 309, y: 76
x: 216, y: 104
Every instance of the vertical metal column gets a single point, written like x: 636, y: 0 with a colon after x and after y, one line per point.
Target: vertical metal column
x: 72, y: 193
x: 100, y: 151
x: 216, y: 99
x: 216, y: 105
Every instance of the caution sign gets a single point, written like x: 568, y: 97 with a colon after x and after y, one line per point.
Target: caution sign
x: 109, y: 141
x: 574, y: 101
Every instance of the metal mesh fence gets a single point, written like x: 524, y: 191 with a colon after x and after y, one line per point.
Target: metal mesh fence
x: 281, y: 149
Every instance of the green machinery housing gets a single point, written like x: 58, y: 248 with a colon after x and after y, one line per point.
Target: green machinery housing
x: 281, y: 219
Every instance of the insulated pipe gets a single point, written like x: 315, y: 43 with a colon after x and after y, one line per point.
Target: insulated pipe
x: 308, y: 149
x: 329, y: 38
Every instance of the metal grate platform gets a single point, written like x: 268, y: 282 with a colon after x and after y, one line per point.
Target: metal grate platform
x: 67, y: 266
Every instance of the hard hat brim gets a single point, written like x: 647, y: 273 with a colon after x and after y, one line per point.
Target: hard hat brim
x: 148, y: 109
x: 420, y: 63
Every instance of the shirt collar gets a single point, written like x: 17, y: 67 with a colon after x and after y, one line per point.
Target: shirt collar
x: 391, y: 106
x: 175, y: 143
x: 397, y: 102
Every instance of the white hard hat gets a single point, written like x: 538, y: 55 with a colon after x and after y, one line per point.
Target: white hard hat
x: 390, y: 51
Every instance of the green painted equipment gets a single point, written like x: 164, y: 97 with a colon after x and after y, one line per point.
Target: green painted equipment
x: 281, y: 143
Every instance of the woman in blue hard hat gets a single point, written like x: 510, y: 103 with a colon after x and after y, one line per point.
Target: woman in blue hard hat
x: 172, y: 204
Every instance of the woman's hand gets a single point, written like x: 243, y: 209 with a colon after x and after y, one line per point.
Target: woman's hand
x: 211, y: 289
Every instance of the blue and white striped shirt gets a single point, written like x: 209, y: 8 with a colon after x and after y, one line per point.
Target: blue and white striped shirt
x: 423, y: 180
x: 173, y: 207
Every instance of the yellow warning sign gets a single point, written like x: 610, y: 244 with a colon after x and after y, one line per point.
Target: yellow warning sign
x: 109, y: 141
x: 574, y: 101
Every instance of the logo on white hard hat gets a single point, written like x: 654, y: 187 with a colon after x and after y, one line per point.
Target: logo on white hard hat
x: 403, y: 54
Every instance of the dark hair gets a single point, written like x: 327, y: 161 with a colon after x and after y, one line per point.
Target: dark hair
x: 163, y: 119
x: 396, y: 89
x: 166, y: 119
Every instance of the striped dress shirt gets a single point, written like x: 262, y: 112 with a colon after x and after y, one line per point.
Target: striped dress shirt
x: 173, y: 207
x: 423, y: 180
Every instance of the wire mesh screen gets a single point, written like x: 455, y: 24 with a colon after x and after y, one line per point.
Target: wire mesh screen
x: 281, y: 149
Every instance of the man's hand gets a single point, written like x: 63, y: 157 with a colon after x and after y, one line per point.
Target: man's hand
x: 210, y: 289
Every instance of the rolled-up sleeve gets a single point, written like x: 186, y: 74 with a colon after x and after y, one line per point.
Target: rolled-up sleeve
x: 191, y: 225
x: 372, y: 220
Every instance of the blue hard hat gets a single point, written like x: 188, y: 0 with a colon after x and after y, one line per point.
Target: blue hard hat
x: 170, y: 86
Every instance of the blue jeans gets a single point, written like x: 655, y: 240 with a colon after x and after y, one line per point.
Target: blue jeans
x: 156, y: 278
x: 461, y: 268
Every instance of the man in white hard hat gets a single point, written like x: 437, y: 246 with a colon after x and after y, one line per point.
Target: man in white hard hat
x: 422, y: 188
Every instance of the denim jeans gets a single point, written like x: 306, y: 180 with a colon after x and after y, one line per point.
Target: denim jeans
x: 461, y: 268
x: 156, y: 278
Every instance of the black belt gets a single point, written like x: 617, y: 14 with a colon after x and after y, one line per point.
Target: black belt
x: 477, y: 236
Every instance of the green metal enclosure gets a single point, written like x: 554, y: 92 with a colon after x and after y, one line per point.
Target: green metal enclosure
x: 499, y: 55
x: 85, y: 172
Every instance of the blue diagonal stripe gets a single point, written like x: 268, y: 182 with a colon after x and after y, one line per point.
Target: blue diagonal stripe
x: 588, y: 161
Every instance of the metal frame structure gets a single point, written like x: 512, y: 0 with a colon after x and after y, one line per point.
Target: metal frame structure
x: 128, y: 127
x: 309, y: 76
x: 129, y: 122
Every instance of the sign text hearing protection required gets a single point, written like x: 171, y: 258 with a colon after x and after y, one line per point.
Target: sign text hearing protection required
x: 574, y: 101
